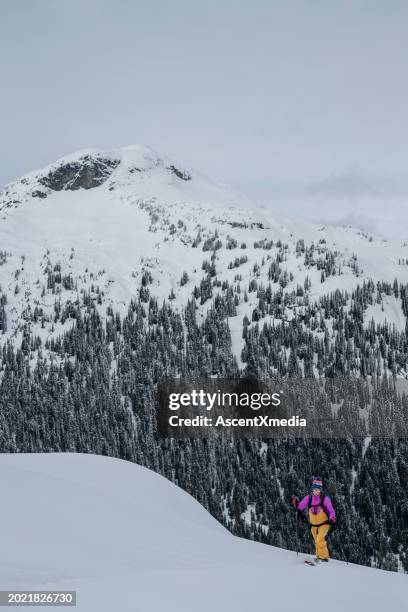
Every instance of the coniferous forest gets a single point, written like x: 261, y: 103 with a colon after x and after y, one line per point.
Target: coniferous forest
x: 91, y: 389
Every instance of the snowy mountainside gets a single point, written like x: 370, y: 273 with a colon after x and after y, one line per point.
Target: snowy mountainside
x: 120, y: 268
x: 125, y: 538
x: 108, y: 224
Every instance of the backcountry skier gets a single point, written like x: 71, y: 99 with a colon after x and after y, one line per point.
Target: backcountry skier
x: 321, y: 515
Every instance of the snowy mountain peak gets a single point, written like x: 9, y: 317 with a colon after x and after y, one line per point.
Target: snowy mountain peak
x: 90, y: 168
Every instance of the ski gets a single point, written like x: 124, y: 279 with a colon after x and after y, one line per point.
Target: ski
x: 310, y: 562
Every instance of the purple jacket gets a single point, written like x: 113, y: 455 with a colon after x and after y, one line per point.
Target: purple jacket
x: 316, y: 505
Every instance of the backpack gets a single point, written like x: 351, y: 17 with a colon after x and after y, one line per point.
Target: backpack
x: 332, y: 490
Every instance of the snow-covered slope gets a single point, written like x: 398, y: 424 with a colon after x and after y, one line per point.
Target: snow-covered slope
x: 102, y: 220
x: 127, y: 539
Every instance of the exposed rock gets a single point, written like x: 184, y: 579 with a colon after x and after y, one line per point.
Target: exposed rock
x: 85, y: 173
x: 39, y: 194
x: 181, y: 174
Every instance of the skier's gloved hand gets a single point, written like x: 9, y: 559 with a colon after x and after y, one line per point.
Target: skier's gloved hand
x: 294, y: 501
x: 333, y: 522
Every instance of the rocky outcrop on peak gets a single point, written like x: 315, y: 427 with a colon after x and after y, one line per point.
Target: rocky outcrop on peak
x: 86, y: 173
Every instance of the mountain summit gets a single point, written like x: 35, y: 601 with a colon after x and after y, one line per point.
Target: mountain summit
x: 136, y: 168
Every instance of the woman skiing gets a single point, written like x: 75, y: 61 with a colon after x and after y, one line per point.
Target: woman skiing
x: 321, y: 514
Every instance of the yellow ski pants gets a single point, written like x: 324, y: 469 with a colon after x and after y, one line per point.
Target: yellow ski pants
x: 319, y: 533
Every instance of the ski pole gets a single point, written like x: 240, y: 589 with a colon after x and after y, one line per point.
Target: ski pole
x: 341, y: 549
x: 342, y: 554
x: 297, y: 535
x: 295, y: 502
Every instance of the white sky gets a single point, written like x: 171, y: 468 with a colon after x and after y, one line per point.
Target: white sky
x: 302, y: 104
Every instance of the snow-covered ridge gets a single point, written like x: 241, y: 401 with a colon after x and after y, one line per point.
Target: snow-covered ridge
x: 90, y: 168
x: 115, y: 169
x: 125, y: 538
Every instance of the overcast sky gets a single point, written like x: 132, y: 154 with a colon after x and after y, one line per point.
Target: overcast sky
x: 301, y: 104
